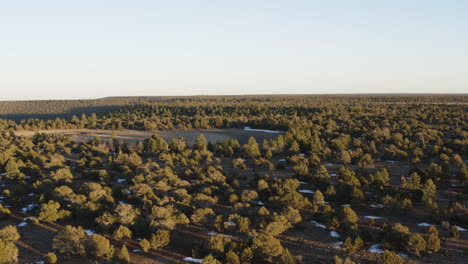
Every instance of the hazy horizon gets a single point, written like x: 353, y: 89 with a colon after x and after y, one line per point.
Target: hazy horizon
x: 89, y: 50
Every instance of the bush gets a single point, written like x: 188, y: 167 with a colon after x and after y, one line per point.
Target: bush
x: 389, y: 257
x: 70, y: 240
x: 454, y: 232
x: 50, y: 212
x: 415, y: 244
x: 8, y: 252
x: 160, y: 239
x: 4, y: 212
x: 210, y: 260
x: 232, y: 258
x: 145, y: 245
x: 122, y: 232
x: 50, y: 258
x: 123, y: 256
x: 9, y: 233
x: 99, y: 246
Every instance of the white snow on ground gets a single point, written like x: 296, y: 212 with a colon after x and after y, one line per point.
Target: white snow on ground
x: 31, y: 194
x: 121, y: 180
x: 215, y: 234
x: 424, y: 224
x: 318, y: 224
x: 89, y: 232
x: 376, y: 248
x: 3, y: 174
x: 461, y: 229
x: 230, y: 223
x: 128, y: 191
x: 32, y: 218
x: 346, y: 205
x: 138, y: 239
x: 333, y: 174
x: 377, y: 205
x: 328, y: 164
x: 337, y: 244
x: 121, y: 202
x: 136, y: 250
x: 22, y: 224
x: 29, y: 207
x: 306, y: 191
x: 374, y: 217
x: 403, y: 255
x: 194, y: 260
x: 301, y: 154
x: 260, y: 203
x: 247, y: 128
x: 301, y: 182
x: 40, y: 262
x: 334, y: 234
x: 282, y: 160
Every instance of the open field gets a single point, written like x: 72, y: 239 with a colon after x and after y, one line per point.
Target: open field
x: 133, y: 136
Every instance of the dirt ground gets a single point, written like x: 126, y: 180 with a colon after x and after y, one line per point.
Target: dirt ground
x: 133, y: 136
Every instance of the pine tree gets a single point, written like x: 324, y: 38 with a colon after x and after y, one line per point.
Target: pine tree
x: 200, y: 143
x: 123, y: 255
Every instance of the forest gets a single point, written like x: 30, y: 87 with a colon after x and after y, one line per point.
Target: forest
x: 297, y: 179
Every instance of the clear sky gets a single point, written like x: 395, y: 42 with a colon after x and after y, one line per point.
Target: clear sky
x: 91, y: 49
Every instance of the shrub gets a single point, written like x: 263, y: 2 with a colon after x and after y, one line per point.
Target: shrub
x: 4, y: 212
x: 8, y: 252
x: 50, y: 258
x: 50, y: 212
x: 389, y: 257
x: 454, y: 232
x: 99, y: 246
x: 122, y: 232
x: 123, y: 256
x: 145, y: 245
x: 232, y: 258
x: 9, y: 233
x: 70, y: 240
x: 415, y: 244
x: 160, y: 239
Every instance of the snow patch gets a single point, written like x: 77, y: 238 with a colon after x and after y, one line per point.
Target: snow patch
x: 89, y: 232
x: 121, y: 180
x: 29, y: 207
x: 376, y: 248
x: 136, y: 250
x: 346, y: 205
x: 317, y: 224
x: 247, y: 128
x: 374, y: 217
x: 194, y: 260
x: 461, y: 229
x: 306, y: 191
x: 22, y: 224
x: 424, y: 224
x: 337, y: 244
x: 334, y: 234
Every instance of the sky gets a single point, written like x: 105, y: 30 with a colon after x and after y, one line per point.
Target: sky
x: 92, y: 49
